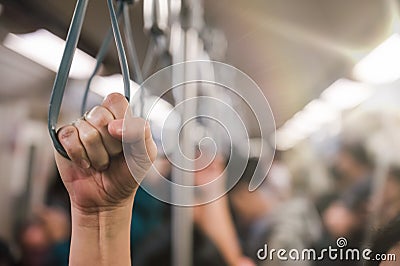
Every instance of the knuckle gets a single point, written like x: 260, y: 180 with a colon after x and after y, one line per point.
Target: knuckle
x: 90, y: 137
x: 113, y: 98
x: 98, y: 117
x: 102, y: 164
x: 115, y: 150
x: 75, y: 152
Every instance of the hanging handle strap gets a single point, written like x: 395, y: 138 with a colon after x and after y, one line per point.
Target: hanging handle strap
x: 120, y: 49
x: 65, y: 66
x: 63, y: 71
x: 99, y: 58
x: 122, y: 9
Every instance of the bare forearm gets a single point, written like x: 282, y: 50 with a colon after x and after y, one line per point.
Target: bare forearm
x: 101, y: 238
x: 222, y: 233
x: 101, y: 179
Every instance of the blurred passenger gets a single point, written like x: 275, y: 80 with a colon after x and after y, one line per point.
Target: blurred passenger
x: 386, y: 241
x: 386, y: 202
x: 270, y: 216
x: 57, y: 224
x: 149, y: 217
x: 345, y: 215
x: 44, y: 240
x: 215, y: 241
x: 6, y: 258
x: 353, y: 165
x: 214, y: 219
x: 34, y: 243
x: 56, y: 220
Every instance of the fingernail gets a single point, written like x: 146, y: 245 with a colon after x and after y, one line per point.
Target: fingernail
x: 85, y: 164
x: 119, y: 131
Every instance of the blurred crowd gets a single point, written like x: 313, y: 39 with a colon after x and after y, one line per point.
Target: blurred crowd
x: 360, y: 204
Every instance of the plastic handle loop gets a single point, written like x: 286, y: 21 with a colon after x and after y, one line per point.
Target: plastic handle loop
x: 100, y: 58
x: 66, y: 61
x: 122, y: 8
x: 120, y: 49
x: 137, y: 72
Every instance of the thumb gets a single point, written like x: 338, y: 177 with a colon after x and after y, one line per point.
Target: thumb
x: 115, y: 128
x: 135, y: 131
x: 132, y: 130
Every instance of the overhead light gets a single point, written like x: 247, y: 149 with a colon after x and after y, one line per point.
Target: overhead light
x: 47, y: 49
x: 301, y: 124
x: 313, y: 117
x: 106, y: 85
x: 287, y: 139
x: 382, y: 65
x: 318, y: 113
x: 345, y: 94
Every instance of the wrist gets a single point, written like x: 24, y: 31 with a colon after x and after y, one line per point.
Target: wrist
x: 102, y: 216
x: 103, y: 234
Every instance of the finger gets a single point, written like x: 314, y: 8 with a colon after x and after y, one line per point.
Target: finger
x: 130, y: 130
x: 115, y: 128
x: 93, y: 144
x: 69, y: 139
x: 117, y: 104
x: 99, y: 117
x: 136, y: 134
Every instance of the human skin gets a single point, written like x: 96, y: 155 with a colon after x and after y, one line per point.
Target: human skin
x: 101, y: 187
x: 214, y: 218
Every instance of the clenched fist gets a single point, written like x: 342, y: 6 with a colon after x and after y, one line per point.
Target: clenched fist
x: 97, y: 176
